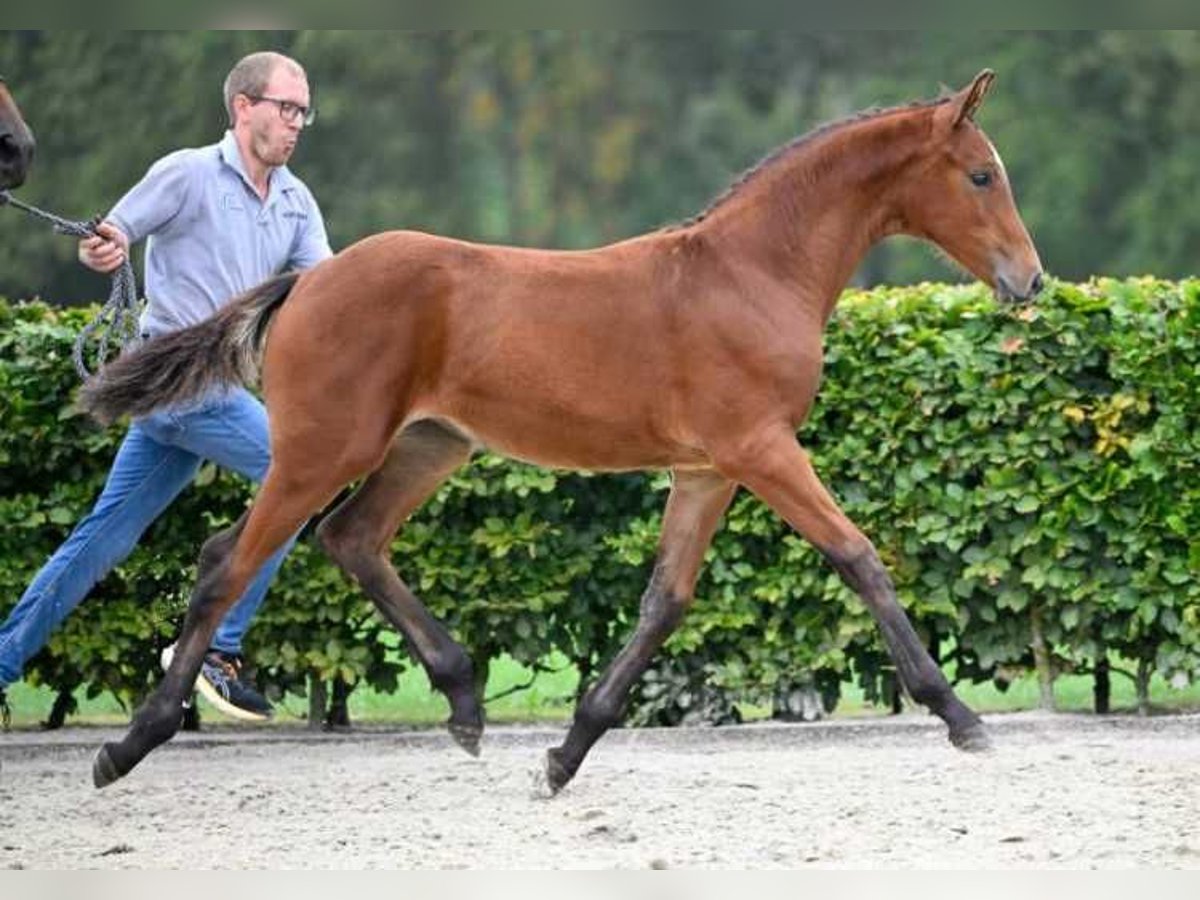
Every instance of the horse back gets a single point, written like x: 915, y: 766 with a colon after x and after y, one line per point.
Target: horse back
x: 595, y: 359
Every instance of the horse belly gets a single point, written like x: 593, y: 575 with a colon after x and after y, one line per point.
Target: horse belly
x: 565, y: 438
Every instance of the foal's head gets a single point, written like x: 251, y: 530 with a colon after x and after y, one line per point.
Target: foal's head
x: 959, y: 198
x: 16, y: 142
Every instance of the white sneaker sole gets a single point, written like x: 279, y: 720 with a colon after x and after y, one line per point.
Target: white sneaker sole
x: 212, y: 695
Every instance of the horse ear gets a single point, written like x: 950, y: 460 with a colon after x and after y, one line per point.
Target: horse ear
x: 969, y: 99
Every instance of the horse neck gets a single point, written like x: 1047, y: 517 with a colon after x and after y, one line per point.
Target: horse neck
x: 809, y: 217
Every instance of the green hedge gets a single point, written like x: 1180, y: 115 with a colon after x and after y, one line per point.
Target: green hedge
x: 1026, y: 475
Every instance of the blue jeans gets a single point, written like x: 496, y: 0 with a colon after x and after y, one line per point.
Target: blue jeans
x: 159, y: 457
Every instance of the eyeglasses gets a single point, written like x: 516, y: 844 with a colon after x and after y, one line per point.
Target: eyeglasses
x: 288, y: 111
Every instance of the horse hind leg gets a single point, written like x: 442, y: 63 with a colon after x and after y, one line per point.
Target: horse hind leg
x: 357, y: 536
x: 694, y: 510
x: 228, y: 563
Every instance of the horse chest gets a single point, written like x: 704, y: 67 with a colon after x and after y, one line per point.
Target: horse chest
x: 798, y: 385
x: 787, y: 372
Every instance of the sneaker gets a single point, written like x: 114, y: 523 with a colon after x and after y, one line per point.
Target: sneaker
x: 220, y: 682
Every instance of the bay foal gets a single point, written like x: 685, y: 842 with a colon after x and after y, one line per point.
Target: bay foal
x: 696, y: 348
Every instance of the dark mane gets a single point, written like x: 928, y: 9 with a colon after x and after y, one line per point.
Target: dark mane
x: 796, y: 144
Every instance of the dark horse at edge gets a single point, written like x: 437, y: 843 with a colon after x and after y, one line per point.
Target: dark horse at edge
x: 16, y: 142
x: 696, y: 348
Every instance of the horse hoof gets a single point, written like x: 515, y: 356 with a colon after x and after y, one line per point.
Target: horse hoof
x: 973, y: 739
x: 555, y: 773
x: 104, y: 770
x: 550, y: 778
x: 467, y: 737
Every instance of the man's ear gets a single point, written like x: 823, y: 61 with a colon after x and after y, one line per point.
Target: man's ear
x: 240, y: 102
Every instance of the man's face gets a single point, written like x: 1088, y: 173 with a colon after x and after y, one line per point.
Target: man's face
x: 276, y: 121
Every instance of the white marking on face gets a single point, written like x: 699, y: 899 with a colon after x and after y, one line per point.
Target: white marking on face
x: 996, y: 157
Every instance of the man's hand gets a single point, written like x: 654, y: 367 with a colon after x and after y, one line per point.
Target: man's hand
x: 105, y: 251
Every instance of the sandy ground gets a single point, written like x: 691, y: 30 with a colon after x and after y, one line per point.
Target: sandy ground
x: 1059, y: 791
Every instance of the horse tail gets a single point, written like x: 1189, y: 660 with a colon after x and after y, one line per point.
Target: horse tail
x: 183, y: 365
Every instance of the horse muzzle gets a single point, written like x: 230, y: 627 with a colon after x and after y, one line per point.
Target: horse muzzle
x: 1019, y: 291
x: 16, y: 156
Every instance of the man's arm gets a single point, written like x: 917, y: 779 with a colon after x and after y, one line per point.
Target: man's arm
x: 312, y: 243
x: 148, y: 206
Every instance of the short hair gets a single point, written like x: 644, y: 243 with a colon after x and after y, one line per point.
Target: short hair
x: 251, y: 74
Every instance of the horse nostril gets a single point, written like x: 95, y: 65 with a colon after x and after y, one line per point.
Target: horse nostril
x: 13, y: 150
x: 1035, y: 286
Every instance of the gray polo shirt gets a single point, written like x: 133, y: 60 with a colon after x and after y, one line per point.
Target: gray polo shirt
x: 210, y: 237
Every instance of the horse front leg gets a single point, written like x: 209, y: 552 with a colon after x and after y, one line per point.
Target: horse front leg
x: 694, y: 509
x: 779, y: 472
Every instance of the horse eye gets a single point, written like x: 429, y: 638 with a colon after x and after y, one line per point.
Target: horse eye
x: 981, y: 179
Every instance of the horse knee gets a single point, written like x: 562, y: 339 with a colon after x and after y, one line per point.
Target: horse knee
x: 862, y: 570
x: 661, y: 611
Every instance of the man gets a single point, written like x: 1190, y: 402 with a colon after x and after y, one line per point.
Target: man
x: 219, y: 220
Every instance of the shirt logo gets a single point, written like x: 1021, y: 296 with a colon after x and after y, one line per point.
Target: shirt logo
x: 294, y: 214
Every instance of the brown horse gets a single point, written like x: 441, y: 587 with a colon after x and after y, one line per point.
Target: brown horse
x: 697, y: 348
x: 16, y: 142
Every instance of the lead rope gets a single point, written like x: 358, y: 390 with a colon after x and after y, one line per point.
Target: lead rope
x: 118, y: 318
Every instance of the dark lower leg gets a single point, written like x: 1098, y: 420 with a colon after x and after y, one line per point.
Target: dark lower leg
x: 445, y: 661
x: 603, y: 705
x: 228, y: 562
x: 160, y: 716
x: 780, y: 472
x: 694, y: 510
x: 864, y: 573
x: 358, y: 535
